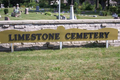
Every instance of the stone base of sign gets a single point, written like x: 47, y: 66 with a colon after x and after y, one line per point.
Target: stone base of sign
x: 33, y: 25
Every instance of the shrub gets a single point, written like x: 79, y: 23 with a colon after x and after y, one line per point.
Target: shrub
x: 118, y: 15
x: 103, y: 13
x: 60, y: 15
x: 113, y: 9
x: 87, y: 6
x: 48, y: 13
x: 32, y: 4
x: 118, y: 11
x: 100, y: 7
x: 5, y: 11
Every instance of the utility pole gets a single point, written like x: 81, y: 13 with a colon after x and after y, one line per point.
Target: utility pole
x: 59, y: 19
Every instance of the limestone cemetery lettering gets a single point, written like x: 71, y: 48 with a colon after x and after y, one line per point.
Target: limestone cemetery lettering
x: 59, y: 35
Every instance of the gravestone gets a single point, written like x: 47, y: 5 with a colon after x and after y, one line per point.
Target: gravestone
x: 75, y: 17
x: 26, y: 11
x: 94, y: 15
x: 2, y: 5
x: 37, y: 8
x: 7, y: 18
x: 115, y: 16
x: 64, y: 18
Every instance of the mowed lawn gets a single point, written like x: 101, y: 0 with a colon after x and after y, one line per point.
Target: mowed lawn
x: 66, y: 64
x: 41, y: 15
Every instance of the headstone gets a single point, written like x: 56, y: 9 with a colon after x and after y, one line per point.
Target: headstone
x: 37, y: 8
x: 114, y: 15
x: 75, y: 17
x: 2, y: 5
x: 7, y: 18
x: 26, y: 11
x: 94, y: 15
x: 58, y: 17
x: 64, y: 18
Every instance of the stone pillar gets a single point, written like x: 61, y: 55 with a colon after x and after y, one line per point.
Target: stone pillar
x: 71, y: 12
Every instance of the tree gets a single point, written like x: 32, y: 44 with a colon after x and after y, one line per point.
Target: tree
x: 97, y: 4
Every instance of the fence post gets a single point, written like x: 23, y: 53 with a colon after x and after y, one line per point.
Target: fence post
x: 106, y: 43
x: 12, y: 47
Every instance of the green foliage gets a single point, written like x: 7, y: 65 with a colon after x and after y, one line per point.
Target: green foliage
x: 118, y: 15
x: 100, y: 7
x: 32, y: 4
x: 75, y: 6
x: 118, y: 9
x: 87, y: 6
x: 43, y: 5
x: 113, y: 9
x: 60, y: 15
x: 48, y: 13
x: 104, y: 13
x: 6, y: 11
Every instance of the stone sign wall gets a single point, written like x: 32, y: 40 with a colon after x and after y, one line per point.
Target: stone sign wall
x: 34, y: 25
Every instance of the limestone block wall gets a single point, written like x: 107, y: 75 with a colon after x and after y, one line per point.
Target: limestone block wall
x: 33, y: 25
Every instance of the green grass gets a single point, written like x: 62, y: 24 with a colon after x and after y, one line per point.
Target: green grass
x: 66, y: 64
x: 39, y: 16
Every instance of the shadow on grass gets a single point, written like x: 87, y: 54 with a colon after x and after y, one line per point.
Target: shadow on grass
x: 51, y: 47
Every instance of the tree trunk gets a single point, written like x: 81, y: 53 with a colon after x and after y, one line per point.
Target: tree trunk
x: 97, y: 4
x: 103, y: 4
x: 108, y: 4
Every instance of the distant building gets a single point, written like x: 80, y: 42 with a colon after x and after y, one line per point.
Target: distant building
x: 57, y: 2
x: 112, y: 3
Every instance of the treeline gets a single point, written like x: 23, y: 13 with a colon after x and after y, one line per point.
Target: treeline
x: 46, y: 3
x: 41, y: 3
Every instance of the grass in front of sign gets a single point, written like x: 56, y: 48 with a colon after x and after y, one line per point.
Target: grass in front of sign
x: 65, y: 64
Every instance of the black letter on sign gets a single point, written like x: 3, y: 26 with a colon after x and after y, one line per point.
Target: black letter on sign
x: 27, y: 36
x: 15, y: 36
x: 10, y: 37
x: 33, y: 36
x: 96, y: 35
x: 38, y: 36
x: 51, y: 36
x: 66, y: 36
x: 90, y: 35
x: 101, y: 35
x: 72, y: 35
x: 85, y: 36
x: 79, y: 36
x: 106, y: 34
x: 21, y: 37
x: 57, y: 36
x: 44, y: 36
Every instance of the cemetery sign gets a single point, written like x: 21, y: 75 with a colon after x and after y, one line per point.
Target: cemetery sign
x: 59, y: 35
